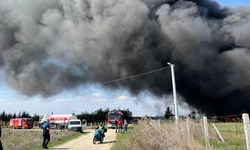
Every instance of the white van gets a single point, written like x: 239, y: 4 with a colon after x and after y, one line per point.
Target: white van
x: 77, y: 125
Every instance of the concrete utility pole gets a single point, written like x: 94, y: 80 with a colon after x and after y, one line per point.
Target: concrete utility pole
x: 174, y: 93
x: 246, y: 122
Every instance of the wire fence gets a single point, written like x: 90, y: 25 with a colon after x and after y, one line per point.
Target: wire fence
x: 220, y: 133
x: 212, y: 133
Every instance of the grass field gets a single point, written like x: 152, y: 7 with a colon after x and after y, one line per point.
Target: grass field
x: 233, y: 134
x: 123, y: 140
x: 149, y: 136
x: 32, y: 139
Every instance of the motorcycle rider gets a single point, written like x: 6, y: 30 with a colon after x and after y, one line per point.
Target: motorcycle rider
x: 101, y: 129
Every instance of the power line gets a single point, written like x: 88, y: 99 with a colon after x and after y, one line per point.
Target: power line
x: 134, y: 76
x: 216, y: 117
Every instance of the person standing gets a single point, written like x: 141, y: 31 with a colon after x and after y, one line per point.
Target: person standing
x: 1, y: 146
x: 120, y: 126
x: 46, y: 134
x: 125, y: 126
x: 63, y: 125
x: 116, y: 125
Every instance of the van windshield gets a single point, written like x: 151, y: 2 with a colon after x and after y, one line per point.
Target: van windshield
x: 41, y: 117
x: 75, y: 122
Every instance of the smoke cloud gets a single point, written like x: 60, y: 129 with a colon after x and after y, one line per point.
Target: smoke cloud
x: 54, y: 45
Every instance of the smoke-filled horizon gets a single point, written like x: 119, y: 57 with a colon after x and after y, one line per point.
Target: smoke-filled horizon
x: 50, y: 46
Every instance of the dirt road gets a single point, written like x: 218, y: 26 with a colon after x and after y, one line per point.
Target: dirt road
x: 84, y: 142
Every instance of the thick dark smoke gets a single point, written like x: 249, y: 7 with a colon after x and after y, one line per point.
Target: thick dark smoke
x: 47, y: 46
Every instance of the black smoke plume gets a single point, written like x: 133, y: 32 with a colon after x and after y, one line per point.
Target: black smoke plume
x: 53, y: 45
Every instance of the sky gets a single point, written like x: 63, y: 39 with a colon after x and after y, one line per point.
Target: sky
x: 89, y: 98
x: 233, y: 3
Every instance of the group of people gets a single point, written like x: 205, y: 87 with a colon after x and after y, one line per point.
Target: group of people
x: 120, y: 126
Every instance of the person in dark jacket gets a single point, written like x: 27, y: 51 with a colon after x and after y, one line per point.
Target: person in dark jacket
x: 1, y: 146
x: 116, y: 125
x: 46, y: 134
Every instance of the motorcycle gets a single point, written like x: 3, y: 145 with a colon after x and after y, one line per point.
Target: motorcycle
x: 99, y: 136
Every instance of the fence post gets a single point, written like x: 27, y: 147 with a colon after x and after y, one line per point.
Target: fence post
x: 205, y: 126
x: 246, y: 128
x: 159, y: 122
x: 218, y: 133
x: 188, y: 131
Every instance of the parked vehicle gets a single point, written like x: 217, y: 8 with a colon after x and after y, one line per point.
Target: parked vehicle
x: 98, y: 136
x: 56, y: 120
x: 112, y: 115
x: 77, y: 125
x: 21, y: 123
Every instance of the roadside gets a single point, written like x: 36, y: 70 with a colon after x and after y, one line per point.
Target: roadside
x: 124, y: 140
x: 64, y: 140
x: 85, y: 142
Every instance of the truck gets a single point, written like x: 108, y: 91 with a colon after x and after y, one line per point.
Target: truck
x: 112, y: 115
x: 21, y: 123
x: 77, y: 125
x: 57, y: 120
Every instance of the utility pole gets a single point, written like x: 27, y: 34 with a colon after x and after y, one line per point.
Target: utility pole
x: 174, y: 93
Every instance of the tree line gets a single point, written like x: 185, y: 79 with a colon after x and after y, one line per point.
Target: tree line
x: 100, y: 115
x: 6, y: 117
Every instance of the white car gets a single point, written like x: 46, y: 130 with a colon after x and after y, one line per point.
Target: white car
x: 77, y: 125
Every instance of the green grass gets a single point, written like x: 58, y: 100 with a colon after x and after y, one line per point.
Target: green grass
x: 123, y: 139
x: 32, y: 139
x: 233, y: 134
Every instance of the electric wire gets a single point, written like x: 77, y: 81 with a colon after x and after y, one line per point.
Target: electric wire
x: 134, y: 76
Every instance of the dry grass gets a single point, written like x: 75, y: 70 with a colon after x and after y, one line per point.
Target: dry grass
x: 149, y: 135
x: 30, y: 139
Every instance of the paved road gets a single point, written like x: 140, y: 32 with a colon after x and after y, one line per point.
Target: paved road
x: 84, y: 142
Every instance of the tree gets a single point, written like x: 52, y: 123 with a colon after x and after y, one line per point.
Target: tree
x: 168, y: 113
x: 36, y: 117
x: 25, y: 115
x: 127, y: 115
x: 4, y: 116
x: 192, y: 115
x: 14, y: 115
x: 101, y: 114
